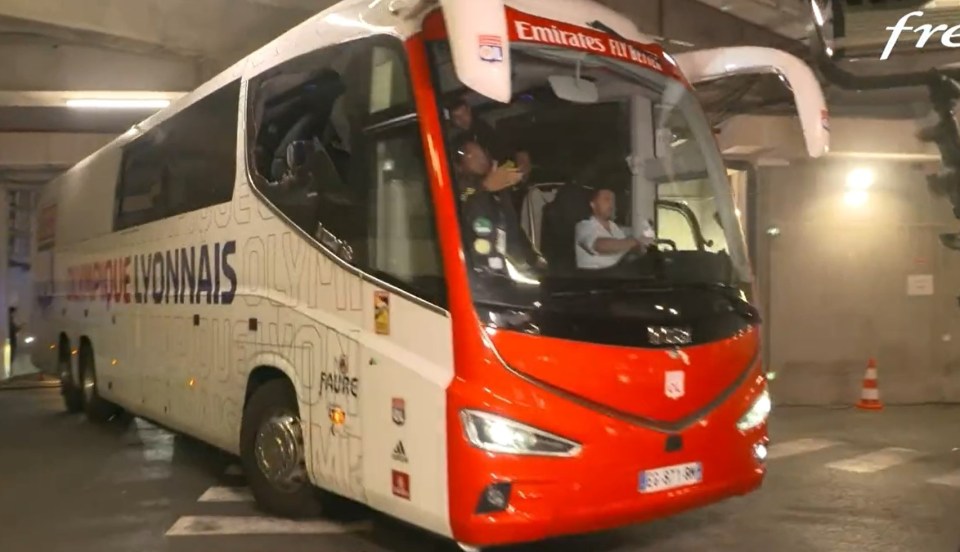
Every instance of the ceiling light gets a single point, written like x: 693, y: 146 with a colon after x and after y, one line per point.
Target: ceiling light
x: 860, y: 179
x: 856, y: 198
x: 117, y: 103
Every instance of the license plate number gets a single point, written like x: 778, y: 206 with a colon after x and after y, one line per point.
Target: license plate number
x: 670, y: 477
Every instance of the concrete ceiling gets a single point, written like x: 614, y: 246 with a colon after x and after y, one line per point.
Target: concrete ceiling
x: 159, y: 46
x: 792, y: 19
x: 168, y: 46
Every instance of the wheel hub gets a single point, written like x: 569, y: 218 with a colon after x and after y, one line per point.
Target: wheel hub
x: 279, y: 451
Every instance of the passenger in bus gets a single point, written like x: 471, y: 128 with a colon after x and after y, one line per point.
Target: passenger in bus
x: 600, y: 242
x: 490, y: 219
x: 499, y: 148
x: 477, y: 172
x: 465, y: 125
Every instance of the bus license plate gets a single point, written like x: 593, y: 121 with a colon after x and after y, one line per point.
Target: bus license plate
x: 670, y: 477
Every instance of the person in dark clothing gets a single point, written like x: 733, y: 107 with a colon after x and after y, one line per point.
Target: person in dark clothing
x: 14, y: 328
x: 468, y: 127
x: 477, y: 172
x: 489, y: 219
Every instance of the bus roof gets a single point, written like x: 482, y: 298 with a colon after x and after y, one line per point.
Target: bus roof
x: 352, y: 19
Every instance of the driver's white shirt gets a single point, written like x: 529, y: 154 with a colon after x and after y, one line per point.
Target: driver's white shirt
x: 587, y: 233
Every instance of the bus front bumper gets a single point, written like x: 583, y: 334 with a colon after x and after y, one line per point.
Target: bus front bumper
x: 552, y: 497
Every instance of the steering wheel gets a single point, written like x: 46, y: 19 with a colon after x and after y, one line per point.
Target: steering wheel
x: 651, y: 254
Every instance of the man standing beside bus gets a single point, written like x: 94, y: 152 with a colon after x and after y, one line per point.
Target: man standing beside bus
x: 13, y: 325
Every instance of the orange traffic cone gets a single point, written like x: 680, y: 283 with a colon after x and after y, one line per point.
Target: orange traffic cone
x: 870, y: 394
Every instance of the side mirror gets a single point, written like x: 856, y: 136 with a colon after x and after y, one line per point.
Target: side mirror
x: 574, y: 90
x: 297, y: 153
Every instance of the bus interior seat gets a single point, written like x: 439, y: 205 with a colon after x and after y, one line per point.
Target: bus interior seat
x: 316, y: 105
x: 536, y: 198
x: 560, y: 218
x: 337, y: 139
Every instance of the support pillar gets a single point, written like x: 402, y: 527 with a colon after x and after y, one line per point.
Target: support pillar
x: 5, y: 371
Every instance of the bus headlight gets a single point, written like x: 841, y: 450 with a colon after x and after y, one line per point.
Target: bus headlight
x: 757, y: 414
x: 497, y: 434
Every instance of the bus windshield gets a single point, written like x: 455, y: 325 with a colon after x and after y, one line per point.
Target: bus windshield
x: 599, y: 177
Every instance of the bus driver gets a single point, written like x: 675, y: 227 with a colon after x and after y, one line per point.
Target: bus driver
x: 600, y: 243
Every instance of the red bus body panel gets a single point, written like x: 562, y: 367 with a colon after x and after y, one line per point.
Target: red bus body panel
x: 517, y: 376
x: 631, y: 380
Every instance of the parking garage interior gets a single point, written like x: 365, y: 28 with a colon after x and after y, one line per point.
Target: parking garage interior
x: 852, y: 257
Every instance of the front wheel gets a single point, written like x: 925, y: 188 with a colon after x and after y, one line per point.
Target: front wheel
x: 272, y: 452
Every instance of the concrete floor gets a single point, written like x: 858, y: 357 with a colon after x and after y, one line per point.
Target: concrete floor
x: 840, y: 481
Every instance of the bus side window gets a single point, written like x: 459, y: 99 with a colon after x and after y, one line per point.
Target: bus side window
x: 334, y: 145
x: 185, y: 163
x: 301, y: 117
x: 137, y: 201
x: 403, y: 243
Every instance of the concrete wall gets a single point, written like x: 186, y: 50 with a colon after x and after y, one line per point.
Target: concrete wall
x: 41, y: 149
x: 20, y: 155
x: 834, y: 283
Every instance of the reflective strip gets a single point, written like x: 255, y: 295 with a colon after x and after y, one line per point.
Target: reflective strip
x: 871, y: 394
x: 871, y: 374
x: 799, y: 446
x: 875, y: 461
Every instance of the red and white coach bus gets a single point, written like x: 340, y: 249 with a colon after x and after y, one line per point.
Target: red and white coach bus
x: 294, y: 263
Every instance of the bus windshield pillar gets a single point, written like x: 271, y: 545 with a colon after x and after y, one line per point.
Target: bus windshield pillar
x: 642, y: 133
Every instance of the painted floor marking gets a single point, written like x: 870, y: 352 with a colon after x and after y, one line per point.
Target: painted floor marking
x: 227, y: 494
x: 875, y: 461
x: 950, y: 479
x: 798, y: 446
x: 255, y: 525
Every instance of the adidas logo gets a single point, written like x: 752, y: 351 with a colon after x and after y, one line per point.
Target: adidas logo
x: 400, y: 453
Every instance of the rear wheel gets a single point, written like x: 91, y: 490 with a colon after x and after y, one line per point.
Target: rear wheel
x: 98, y: 409
x: 272, y: 452
x: 69, y: 388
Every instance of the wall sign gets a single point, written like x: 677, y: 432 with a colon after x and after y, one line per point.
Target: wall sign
x: 919, y: 284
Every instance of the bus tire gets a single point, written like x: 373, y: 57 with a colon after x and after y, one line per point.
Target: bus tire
x: 97, y: 409
x: 272, y: 452
x: 69, y: 389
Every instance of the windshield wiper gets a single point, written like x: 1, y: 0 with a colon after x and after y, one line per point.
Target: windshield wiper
x: 605, y: 287
x: 729, y: 292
